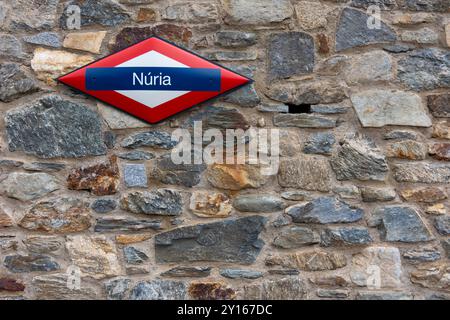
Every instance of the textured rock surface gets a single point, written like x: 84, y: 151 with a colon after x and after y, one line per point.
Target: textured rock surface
x: 312, y: 260
x: 101, y: 179
x: 117, y: 119
x: 341, y: 236
x: 28, y: 186
x: 187, y: 175
x: 324, y: 210
x: 401, y: 223
x: 256, y: 11
x: 359, y: 158
x: 135, y: 175
x: 49, y: 39
x: 385, y: 258
x: 371, y: 194
x: 369, y: 67
x: 85, y: 41
x: 42, y: 244
x: 159, y: 290
x: 123, y: 224
x: 320, y: 143
x: 131, y: 35
x: 106, y: 13
x: 30, y: 263
x: 283, y: 289
x: 258, y: 203
x: 154, y: 139
x: 281, y: 50
x: 233, y: 240
x: 360, y: 186
x: 425, y: 69
x: 51, y: 64
x: 5, y: 220
x: 39, y: 16
x: 53, y: 127
x: 14, y: 82
x: 353, y: 31
x: 407, y: 149
x: 210, y: 205
x: 163, y: 202
x: 235, y: 177
x: 309, y: 92
x: 210, y: 291
x: 94, y: 255
x: 295, y: 237
x: 63, y: 215
x: 378, y: 108
x: 54, y: 287
x: 194, y: 272
x: 421, y: 172
x: 311, y: 173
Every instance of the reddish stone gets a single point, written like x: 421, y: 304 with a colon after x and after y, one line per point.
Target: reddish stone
x: 7, y: 284
x: 440, y: 151
x: 5, y: 220
x: 210, y: 291
x: 131, y: 35
x: 101, y: 179
x: 324, y: 47
x: 146, y: 15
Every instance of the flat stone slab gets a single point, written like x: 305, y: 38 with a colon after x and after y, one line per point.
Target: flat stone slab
x: 231, y: 240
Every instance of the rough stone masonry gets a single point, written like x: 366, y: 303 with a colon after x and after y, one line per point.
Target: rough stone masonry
x: 365, y: 150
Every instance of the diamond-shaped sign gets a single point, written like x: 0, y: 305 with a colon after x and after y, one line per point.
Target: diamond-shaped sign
x: 153, y: 79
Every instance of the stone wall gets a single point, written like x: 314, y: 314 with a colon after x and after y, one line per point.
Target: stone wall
x: 362, y: 184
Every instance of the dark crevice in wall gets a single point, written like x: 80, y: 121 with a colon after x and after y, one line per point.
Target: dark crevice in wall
x: 299, y: 108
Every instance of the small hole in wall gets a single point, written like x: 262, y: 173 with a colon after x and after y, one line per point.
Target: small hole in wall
x: 299, y: 108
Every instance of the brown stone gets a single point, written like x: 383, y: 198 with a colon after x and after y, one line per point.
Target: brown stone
x: 146, y: 15
x: 435, y: 276
x: 235, y: 177
x: 210, y: 291
x: 132, y: 238
x: 5, y: 220
x: 408, y: 149
x: 210, y: 204
x: 131, y: 35
x: 85, y: 41
x: 323, y: 43
x: 101, y: 179
x: 440, y: 151
x: 428, y: 194
x: 315, y: 260
x: 439, y: 105
x: 7, y: 284
x: 441, y: 130
x: 64, y: 215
